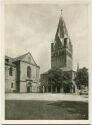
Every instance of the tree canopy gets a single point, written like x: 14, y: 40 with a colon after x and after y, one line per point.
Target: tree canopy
x: 57, y: 77
x: 82, y: 77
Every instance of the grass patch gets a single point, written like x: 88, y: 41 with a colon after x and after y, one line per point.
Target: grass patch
x: 43, y: 110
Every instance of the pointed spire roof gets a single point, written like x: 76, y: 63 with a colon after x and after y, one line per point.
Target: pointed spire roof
x: 61, y: 29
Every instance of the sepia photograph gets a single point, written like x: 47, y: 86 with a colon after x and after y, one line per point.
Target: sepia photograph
x: 46, y: 124
x: 46, y: 61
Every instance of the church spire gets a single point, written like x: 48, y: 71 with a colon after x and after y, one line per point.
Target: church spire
x: 61, y: 30
x: 61, y: 11
x: 61, y: 49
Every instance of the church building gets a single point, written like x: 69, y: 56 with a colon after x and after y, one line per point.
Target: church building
x: 21, y: 74
x: 61, y: 56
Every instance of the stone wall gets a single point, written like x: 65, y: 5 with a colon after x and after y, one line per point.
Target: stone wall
x: 10, y: 79
x: 24, y: 79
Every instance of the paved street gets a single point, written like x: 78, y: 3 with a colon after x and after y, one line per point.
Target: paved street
x: 46, y: 96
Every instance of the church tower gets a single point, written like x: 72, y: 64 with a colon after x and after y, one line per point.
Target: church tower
x: 61, y: 48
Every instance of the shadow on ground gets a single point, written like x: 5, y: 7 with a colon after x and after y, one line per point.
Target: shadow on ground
x: 45, y: 110
x: 73, y: 107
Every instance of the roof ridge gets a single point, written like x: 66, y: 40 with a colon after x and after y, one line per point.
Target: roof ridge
x: 8, y: 57
x: 32, y: 58
x: 22, y: 55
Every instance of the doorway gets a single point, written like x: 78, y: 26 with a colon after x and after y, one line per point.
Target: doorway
x: 28, y: 89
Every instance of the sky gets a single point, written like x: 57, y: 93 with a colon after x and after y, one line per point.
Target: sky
x: 32, y: 28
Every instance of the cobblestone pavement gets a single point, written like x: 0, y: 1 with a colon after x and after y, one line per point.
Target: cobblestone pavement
x: 46, y: 96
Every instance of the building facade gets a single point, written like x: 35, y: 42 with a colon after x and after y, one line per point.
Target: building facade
x: 21, y: 74
x: 61, y: 58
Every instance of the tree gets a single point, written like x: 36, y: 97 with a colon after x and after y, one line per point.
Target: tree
x: 67, y: 81
x: 55, y: 76
x: 82, y: 77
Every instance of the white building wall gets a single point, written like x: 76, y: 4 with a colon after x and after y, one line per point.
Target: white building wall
x: 23, y: 87
x: 23, y: 77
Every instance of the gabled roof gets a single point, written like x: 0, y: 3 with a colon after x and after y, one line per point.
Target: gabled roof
x: 7, y: 57
x: 22, y: 56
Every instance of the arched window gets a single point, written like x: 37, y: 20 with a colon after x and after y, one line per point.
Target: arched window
x: 10, y: 71
x: 11, y: 85
x: 28, y: 71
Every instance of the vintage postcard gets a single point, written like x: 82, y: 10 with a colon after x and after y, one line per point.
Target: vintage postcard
x: 46, y: 70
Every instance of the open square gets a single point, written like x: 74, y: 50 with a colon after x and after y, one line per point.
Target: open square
x: 45, y: 107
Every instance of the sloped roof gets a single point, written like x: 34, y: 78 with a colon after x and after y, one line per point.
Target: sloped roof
x: 22, y: 56
x: 19, y: 58
x: 45, y: 73
x: 62, y: 31
x: 10, y: 61
x: 7, y: 57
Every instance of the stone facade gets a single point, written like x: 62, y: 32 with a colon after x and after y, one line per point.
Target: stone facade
x: 10, y: 75
x: 25, y: 74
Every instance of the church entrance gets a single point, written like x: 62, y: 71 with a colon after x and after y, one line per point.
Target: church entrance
x: 28, y: 89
